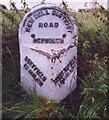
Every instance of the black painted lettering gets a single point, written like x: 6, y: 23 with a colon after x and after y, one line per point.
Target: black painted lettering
x: 26, y: 58
x: 56, y: 25
x: 66, y: 22
x: 29, y: 25
x: 51, y: 25
x: 35, y: 68
x: 41, y: 74
x: 72, y: 68
x: 40, y: 25
x: 31, y: 20
x: 47, y: 13
x: 44, y: 78
x: 62, y: 81
x: 26, y: 66
x: 38, y: 81
x: 54, y: 12
x: 33, y: 75
x: 35, y: 15
x: 45, y: 25
x: 56, y: 80
x: 38, y: 72
x: 62, y: 76
x: 65, y: 69
x: 40, y: 13
x: 27, y: 29
x: 69, y: 31
x: 29, y: 61
x: 48, y: 40
x: 34, y: 71
x: 69, y: 27
x: 64, y: 18
x: 59, y: 84
x: 60, y: 15
x: 33, y: 65
x: 30, y: 71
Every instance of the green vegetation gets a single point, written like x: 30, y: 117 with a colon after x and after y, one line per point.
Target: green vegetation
x: 89, y: 100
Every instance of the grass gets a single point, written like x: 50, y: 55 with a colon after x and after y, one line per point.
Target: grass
x: 95, y: 97
x: 36, y: 107
x: 89, y: 99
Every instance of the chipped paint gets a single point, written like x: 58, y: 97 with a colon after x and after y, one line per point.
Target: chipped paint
x: 54, y: 56
x: 48, y: 51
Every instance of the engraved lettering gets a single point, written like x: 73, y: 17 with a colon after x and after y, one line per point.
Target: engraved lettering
x: 49, y: 11
x: 67, y: 70
x: 51, y: 25
x: 48, y: 40
x: 34, y: 71
x: 40, y: 25
x: 56, y: 25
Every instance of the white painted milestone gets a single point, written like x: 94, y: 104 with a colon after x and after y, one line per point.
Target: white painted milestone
x: 48, y: 53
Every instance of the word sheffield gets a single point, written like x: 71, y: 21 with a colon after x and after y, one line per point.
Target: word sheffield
x: 34, y: 71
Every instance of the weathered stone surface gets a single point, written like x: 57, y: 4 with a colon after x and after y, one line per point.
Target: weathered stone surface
x: 48, y: 51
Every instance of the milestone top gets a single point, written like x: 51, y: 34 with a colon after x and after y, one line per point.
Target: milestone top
x: 47, y: 24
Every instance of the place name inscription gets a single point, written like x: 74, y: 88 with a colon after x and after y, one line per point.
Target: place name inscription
x: 49, y: 11
x: 68, y: 69
x: 34, y: 71
x: 48, y: 40
x: 40, y: 78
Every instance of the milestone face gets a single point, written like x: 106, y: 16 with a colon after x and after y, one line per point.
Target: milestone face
x: 48, y: 53
x: 48, y: 22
